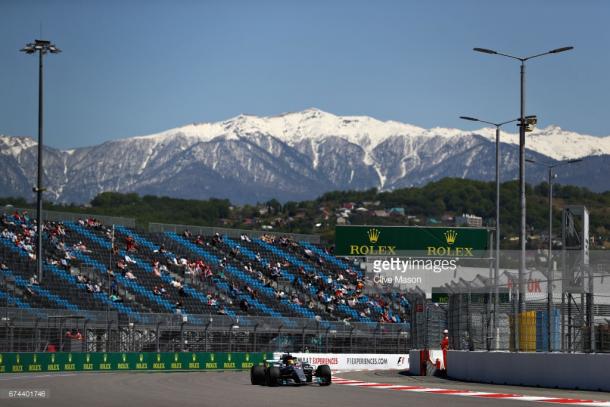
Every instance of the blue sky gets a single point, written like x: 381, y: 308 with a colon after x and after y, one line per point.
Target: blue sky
x: 139, y: 67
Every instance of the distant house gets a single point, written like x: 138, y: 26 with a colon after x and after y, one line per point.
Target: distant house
x: 469, y: 220
x: 348, y: 205
x: 397, y: 211
x: 342, y: 221
x: 263, y: 211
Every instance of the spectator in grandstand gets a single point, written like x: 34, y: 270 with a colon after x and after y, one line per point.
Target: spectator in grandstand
x: 156, y: 290
x: 187, y: 233
x: 222, y: 310
x: 129, y: 275
x: 129, y: 259
x: 130, y: 244
x: 115, y: 298
x: 156, y: 270
x: 121, y: 265
x: 244, y: 306
x: 199, y: 241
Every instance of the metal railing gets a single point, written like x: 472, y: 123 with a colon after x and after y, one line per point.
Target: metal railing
x: 210, y: 231
x: 57, y: 216
x: 56, y: 330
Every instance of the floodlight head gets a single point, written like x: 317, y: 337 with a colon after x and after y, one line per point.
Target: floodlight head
x: 28, y: 49
x: 485, y: 50
x: 558, y: 50
x: 42, y: 46
x: 472, y: 119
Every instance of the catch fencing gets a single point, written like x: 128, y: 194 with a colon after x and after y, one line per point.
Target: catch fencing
x: 38, y: 330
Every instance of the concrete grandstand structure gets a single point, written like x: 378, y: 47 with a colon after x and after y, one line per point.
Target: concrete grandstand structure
x: 114, y: 274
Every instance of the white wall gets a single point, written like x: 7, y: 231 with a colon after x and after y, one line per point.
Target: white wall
x: 354, y: 361
x: 556, y: 370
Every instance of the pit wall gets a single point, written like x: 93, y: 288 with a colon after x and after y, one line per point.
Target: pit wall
x: 128, y: 361
x: 355, y: 361
x: 582, y: 371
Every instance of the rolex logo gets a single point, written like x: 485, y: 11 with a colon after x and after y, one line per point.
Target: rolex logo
x: 373, y: 235
x: 450, y: 236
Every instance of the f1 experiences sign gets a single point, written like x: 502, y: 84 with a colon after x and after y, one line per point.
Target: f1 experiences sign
x: 355, y: 361
x: 369, y: 241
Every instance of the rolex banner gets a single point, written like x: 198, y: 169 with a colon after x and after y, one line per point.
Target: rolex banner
x: 116, y: 361
x: 391, y: 241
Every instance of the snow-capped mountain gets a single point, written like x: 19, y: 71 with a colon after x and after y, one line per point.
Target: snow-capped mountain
x: 290, y: 157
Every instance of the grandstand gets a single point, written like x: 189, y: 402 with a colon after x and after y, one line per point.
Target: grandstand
x: 143, y: 278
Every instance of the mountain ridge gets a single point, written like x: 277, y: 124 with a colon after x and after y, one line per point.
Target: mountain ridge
x: 295, y: 155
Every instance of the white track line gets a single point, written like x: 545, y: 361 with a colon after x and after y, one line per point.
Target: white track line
x: 468, y: 393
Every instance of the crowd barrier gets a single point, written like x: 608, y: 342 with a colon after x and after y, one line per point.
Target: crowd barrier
x: 581, y: 371
x: 117, y: 361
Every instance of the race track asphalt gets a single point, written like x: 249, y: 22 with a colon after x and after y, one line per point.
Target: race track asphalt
x: 234, y: 389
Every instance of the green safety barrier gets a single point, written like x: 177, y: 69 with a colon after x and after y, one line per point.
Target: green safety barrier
x: 117, y: 361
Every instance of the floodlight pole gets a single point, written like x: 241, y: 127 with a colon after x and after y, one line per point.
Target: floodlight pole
x: 39, y: 188
x: 497, y: 240
x: 550, y: 277
x: 42, y: 47
x: 522, y: 202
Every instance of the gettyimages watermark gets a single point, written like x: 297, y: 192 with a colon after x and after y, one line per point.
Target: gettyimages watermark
x: 569, y: 271
x: 409, y: 271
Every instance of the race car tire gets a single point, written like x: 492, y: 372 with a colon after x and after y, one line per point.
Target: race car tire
x: 257, y: 375
x: 272, y: 376
x: 324, y: 375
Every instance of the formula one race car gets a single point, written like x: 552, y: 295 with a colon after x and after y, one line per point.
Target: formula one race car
x: 289, y: 370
